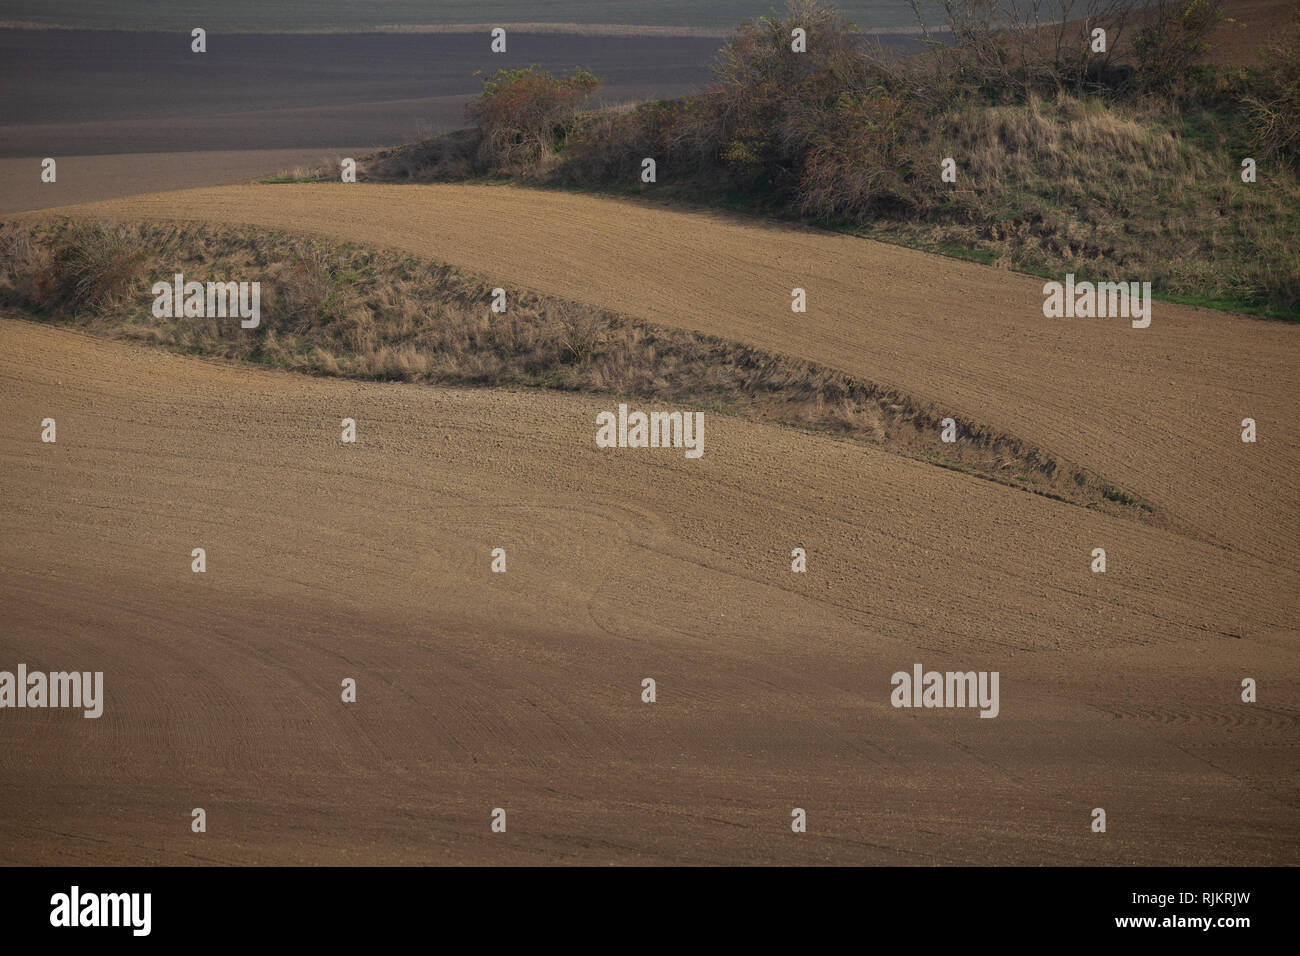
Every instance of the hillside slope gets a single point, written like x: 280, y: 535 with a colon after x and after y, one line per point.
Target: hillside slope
x: 522, y: 691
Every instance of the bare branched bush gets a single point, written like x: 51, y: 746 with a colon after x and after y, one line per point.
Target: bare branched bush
x: 1275, y: 104
x: 1010, y: 48
x: 609, y: 145
x: 821, y: 131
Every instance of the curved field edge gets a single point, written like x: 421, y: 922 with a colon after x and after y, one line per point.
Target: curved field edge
x: 352, y: 311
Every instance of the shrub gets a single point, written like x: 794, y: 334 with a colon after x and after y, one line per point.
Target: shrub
x: 1172, y: 40
x: 447, y: 157
x: 820, y: 132
x: 608, y: 146
x: 524, y: 115
x: 854, y: 156
x: 1003, y: 50
x: 771, y: 108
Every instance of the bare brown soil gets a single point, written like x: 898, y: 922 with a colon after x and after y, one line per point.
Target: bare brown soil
x: 478, y: 690
x: 522, y: 690
x: 1248, y: 26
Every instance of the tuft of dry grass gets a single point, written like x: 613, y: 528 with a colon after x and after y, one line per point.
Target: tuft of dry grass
x: 91, y: 266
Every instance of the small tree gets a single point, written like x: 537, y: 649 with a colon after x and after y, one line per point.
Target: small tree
x: 771, y: 107
x: 1172, y: 40
x: 524, y: 115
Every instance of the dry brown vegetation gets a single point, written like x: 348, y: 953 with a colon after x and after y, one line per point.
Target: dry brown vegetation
x: 1275, y: 101
x: 349, y: 311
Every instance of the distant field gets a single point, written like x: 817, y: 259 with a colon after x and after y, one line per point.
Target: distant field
x: 297, y: 15
x: 151, y: 95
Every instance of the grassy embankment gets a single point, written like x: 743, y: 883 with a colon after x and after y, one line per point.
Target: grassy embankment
x: 343, y: 310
